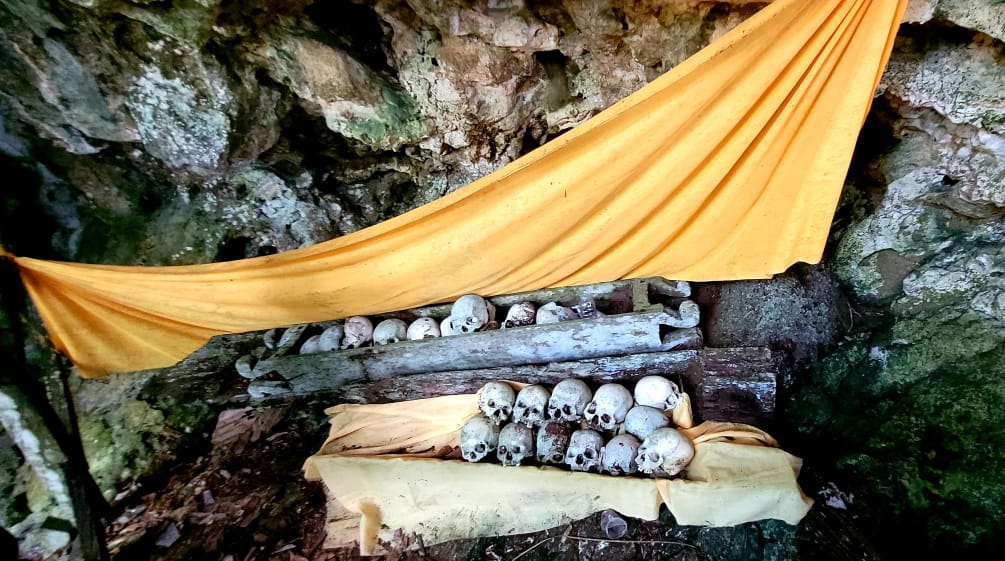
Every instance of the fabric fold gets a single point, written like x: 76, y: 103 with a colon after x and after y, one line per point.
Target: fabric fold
x: 727, y: 167
x: 394, y: 465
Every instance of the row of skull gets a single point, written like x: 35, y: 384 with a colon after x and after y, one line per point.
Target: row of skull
x: 468, y: 314
x: 572, y: 400
x: 663, y: 452
x: 645, y: 440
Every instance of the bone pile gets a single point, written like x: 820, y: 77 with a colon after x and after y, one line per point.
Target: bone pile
x: 611, y: 430
x: 469, y: 314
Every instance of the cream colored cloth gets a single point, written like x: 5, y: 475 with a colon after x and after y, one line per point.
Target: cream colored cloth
x: 385, y: 463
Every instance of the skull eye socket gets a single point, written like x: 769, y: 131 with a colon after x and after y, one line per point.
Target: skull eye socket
x: 605, y: 418
x: 567, y: 409
x: 502, y: 449
x: 556, y: 457
x: 517, y: 449
x: 480, y: 447
x: 590, y: 454
x: 492, y: 403
x: 653, y: 457
x: 536, y: 411
x: 591, y: 408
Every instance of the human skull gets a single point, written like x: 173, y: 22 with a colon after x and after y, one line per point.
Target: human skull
x: 658, y: 392
x: 496, y: 401
x: 519, y: 314
x: 358, y: 332
x: 470, y: 313
x: 553, y: 313
x: 552, y: 442
x: 568, y: 400
x: 610, y: 404
x: 447, y: 327
x: 531, y: 405
x: 666, y: 450
x: 584, y: 450
x: 330, y: 338
x: 618, y: 456
x: 389, y: 331
x: 642, y: 420
x: 516, y: 443
x: 479, y: 437
x: 423, y: 328
x: 311, y: 345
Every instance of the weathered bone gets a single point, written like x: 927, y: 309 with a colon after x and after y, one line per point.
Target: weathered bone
x: 423, y: 328
x: 496, y: 401
x: 479, y: 437
x: 610, y: 404
x: 516, y: 443
x: 552, y: 442
x: 618, y: 455
x: 568, y: 400
x: 584, y: 450
x: 391, y: 330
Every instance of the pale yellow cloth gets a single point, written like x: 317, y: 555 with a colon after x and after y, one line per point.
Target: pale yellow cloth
x: 379, y: 461
x: 729, y: 166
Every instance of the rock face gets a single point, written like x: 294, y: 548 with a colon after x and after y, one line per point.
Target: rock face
x: 910, y: 408
x: 147, y: 132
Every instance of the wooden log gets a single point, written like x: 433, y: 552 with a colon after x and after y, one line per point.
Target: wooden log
x: 746, y: 375
x: 533, y: 344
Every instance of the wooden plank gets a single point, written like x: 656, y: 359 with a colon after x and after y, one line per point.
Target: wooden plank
x: 735, y: 385
x: 617, y: 335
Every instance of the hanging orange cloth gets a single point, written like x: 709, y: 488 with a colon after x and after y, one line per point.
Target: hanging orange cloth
x: 727, y: 167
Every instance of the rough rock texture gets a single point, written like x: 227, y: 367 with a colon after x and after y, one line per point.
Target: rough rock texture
x: 153, y: 132
x: 909, y: 409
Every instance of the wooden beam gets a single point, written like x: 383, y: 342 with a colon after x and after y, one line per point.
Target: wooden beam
x: 618, y: 335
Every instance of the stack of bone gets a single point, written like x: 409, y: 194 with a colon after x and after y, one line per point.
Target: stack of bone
x: 612, y: 430
x: 468, y: 314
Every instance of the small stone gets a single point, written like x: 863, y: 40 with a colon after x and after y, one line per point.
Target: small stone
x: 169, y: 536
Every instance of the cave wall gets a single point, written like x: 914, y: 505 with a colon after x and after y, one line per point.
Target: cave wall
x: 187, y: 131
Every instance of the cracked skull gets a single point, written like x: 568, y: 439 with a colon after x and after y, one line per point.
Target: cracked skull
x: 568, y: 400
x: 389, y: 331
x: 479, y: 437
x: 618, y: 456
x: 552, y: 312
x: 552, y: 442
x: 519, y: 314
x: 584, y: 450
x: 531, y: 405
x: 423, y: 328
x: 496, y: 401
x: 469, y: 313
x: 658, y: 392
x: 516, y: 443
x: 666, y: 450
x: 610, y: 404
x: 358, y: 332
x: 641, y: 420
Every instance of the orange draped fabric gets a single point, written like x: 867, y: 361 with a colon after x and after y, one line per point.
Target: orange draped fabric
x: 727, y: 167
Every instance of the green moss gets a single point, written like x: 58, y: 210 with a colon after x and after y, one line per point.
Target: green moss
x: 919, y: 435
